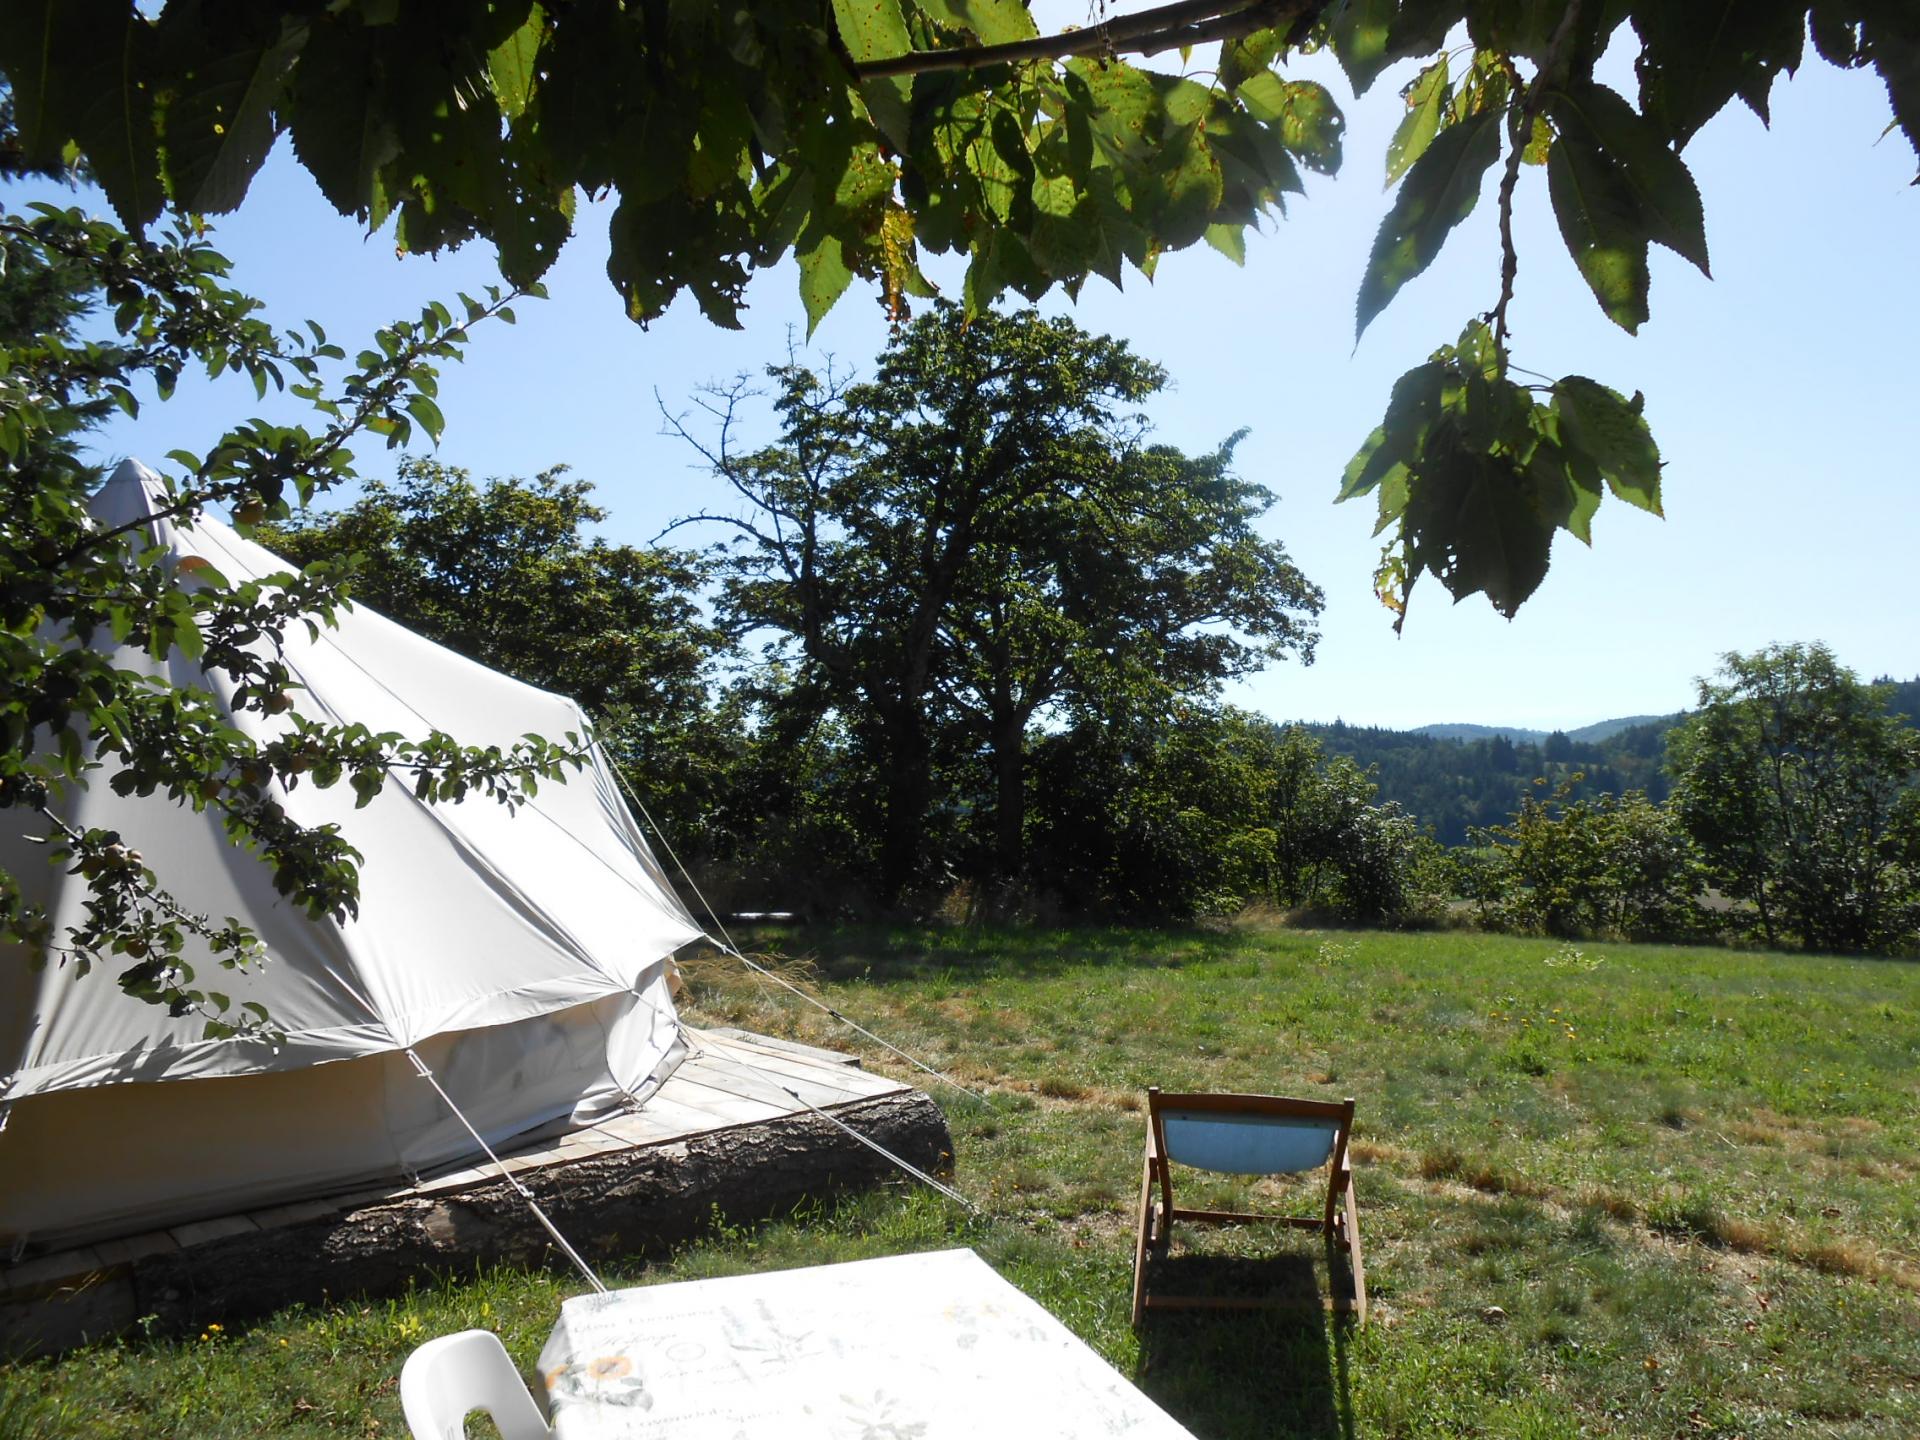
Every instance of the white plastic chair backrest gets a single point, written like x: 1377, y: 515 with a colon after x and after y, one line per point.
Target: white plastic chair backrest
x: 1238, y: 1144
x: 446, y: 1380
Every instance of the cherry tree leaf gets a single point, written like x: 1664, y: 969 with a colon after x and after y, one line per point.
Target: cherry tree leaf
x: 1602, y: 427
x: 1426, y: 101
x: 824, y: 276
x: 1310, y: 123
x: 1658, y: 182
x: 215, y: 135
x: 1485, y: 524
x: 511, y: 64
x: 1230, y: 241
x: 876, y: 30
x: 1439, y: 192
x: 1600, y: 221
x: 1397, y: 442
x: 1698, y: 56
x: 81, y: 70
x: 340, y: 132
x: 994, y: 22
x: 1359, y: 30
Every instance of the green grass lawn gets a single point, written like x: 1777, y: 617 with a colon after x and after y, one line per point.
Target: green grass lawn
x: 1605, y: 1189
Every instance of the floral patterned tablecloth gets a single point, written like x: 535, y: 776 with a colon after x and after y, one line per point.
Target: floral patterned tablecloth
x: 911, y: 1347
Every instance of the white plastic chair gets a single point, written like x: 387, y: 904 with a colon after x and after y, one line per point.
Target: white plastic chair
x: 446, y: 1380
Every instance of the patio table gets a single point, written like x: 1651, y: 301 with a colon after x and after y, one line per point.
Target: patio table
x: 911, y: 1347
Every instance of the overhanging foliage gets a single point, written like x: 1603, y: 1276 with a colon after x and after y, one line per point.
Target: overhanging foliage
x: 856, y: 137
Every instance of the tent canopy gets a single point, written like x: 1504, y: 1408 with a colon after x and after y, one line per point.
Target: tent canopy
x: 529, y: 922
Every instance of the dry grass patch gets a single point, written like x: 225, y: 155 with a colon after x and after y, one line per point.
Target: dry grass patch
x: 1447, y: 1163
x: 1379, y: 1152
x: 1754, y: 1133
x: 1690, y: 1217
x: 1611, y: 1203
x: 1491, y: 1180
x: 1828, y: 1139
x: 1851, y: 1257
x: 1744, y: 1236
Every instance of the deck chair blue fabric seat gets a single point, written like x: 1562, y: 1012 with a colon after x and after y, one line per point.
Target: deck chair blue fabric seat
x: 1244, y: 1135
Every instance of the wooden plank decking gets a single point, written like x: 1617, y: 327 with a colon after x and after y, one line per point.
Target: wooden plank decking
x: 730, y: 1078
x: 722, y: 1132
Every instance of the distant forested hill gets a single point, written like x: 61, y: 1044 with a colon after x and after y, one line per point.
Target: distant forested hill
x: 1456, y: 784
x: 1457, y: 777
x: 1600, y: 730
x: 1905, y: 699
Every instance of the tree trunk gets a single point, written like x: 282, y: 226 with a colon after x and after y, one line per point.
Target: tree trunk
x: 1766, y: 915
x: 1009, y: 793
x: 907, y: 773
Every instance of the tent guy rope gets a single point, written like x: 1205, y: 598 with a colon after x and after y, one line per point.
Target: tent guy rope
x: 725, y: 945
x: 513, y: 1181
x: 526, y: 1195
x: 878, y: 1149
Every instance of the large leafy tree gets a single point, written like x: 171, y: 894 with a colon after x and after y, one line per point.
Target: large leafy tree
x: 978, y: 533
x: 857, y: 135
x: 1803, y: 792
x: 864, y: 518
x: 508, y: 573
x: 1136, y: 584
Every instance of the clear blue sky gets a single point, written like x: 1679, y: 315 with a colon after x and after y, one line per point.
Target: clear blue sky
x: 1783, y: 392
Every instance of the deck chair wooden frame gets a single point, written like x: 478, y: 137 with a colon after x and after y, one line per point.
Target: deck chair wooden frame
x: 1339, y: 1220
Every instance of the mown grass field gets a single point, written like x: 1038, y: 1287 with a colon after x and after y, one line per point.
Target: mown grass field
x: 1606, y: 1189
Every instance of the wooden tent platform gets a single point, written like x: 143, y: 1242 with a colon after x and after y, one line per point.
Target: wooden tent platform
x: 722, y: 1134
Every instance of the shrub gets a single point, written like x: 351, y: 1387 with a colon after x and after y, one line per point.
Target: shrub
x: 1610, y: 865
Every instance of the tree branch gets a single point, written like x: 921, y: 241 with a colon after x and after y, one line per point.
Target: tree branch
x: 1520, y: 131
x: 1165, y: 27
x: 368, y: 403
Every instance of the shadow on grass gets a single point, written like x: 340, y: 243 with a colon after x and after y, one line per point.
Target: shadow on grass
x: 881, y: 954
x: 1278, y: 1372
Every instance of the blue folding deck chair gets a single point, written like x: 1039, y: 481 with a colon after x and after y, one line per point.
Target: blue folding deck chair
x: 1245, y: 1135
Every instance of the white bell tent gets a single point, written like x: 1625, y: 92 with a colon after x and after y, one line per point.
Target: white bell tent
x: 520, y: 954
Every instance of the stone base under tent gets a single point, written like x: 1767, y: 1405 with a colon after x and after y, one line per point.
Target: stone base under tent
x: 721, y: 1135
